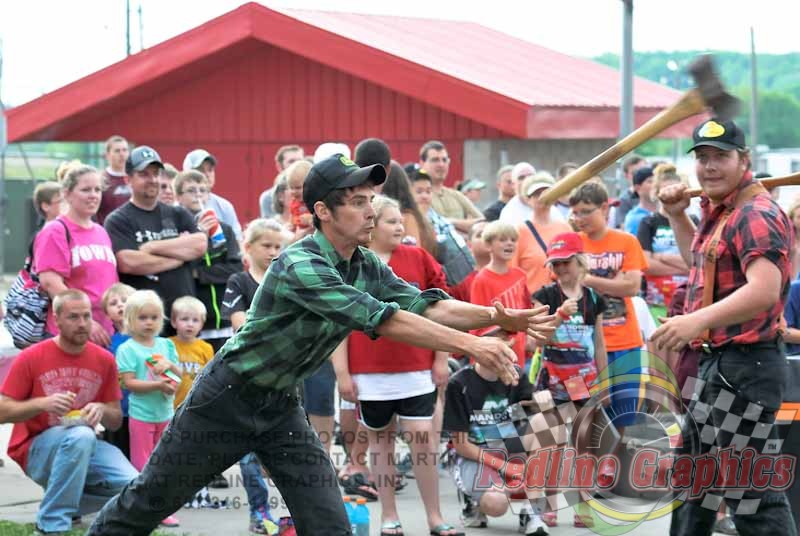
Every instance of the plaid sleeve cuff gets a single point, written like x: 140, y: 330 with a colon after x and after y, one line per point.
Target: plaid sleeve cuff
x: 426, y: 298
x: 379, y: 318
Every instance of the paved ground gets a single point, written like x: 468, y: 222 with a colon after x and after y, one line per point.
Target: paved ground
x: 19, y: 498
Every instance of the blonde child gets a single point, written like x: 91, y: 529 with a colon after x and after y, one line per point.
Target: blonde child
x: 500, y: 282
x: 302, y: 220
x: 187, y: 318
x: 113, y: 302
x: 263, y: 240
x: 150, y: 403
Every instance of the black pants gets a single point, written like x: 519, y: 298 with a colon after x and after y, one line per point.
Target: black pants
x: 737, y: 381
x: 220, y: 421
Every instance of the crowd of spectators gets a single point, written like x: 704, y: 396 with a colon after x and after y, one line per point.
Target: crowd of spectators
x: 150, y: 273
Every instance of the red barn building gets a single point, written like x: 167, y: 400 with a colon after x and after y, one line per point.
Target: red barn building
x: 256, y: 78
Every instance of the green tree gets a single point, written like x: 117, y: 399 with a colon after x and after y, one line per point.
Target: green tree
x: 778, y: 86
x: 778, y: 117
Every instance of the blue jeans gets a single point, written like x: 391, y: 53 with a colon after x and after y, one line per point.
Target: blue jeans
x: 625, y: 396
x: 78, y: 472
x: 254, y: 485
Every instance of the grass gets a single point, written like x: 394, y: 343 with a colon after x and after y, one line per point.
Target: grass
x: 9, y: 528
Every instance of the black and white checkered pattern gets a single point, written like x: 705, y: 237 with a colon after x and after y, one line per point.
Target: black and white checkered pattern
x: 537, y: 426
x: 734, y: 425
x: 740, y: 428
x: 204, y: 499
x: 542, y: 426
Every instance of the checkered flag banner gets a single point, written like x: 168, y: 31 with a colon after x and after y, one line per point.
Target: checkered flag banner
x: 203, y: 499
x: 733, y: 422
x: 535, y: 425
x: 532, y: 426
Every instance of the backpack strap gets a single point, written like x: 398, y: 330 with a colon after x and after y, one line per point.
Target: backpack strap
x: 536, y: 235
x: 28, y: 267
x: 709, y: 249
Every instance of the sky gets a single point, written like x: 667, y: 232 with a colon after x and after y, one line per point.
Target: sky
x: 49, y: 43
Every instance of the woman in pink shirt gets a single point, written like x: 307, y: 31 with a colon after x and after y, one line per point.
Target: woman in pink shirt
x: 72, y: 251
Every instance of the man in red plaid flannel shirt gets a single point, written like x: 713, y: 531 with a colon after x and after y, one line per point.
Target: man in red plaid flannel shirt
x: 742, y: 351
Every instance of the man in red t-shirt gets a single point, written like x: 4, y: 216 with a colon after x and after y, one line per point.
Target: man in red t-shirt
x: 56, y: 393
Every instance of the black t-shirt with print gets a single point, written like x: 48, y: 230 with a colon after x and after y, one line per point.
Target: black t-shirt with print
x: 571, y: 349
x: 130, y: 226
x: 478, y: 406
x: 238, y: 294
x: 551, y: 295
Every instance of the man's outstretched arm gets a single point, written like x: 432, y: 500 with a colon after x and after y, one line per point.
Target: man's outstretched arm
x: 466, y: 316
x: 413, y: 329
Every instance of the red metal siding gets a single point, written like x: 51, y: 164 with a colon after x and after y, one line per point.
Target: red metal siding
x: 245, y: 110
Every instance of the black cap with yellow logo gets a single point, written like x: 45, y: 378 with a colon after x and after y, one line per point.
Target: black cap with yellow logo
x: 723, y: 135
x: 335, y: 172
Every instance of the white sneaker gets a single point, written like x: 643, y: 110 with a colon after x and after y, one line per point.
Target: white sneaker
x: 535, y: 526
x: 471, y: 516
x: 477, y: 520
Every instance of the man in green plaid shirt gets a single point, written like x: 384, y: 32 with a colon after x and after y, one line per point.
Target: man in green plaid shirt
x: 313, y: 295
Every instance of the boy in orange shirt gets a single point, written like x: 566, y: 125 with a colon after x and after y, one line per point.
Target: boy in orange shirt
x: 499, y: 281
x: 616, y: 264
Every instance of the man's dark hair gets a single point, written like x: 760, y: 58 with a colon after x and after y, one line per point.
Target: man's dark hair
x: 372, y: 151
x: 591, y: 193
x: 432, y: 144
x: 564, y: 169
x: 398, y: 187
x: 332, y: 200
x: 421, y: 175
x: 631, y: 161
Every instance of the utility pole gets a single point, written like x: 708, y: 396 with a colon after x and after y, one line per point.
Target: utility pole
x: 753, y: 104
x: 626, y: 106
x: 141, y: 28
x: 673, y: 66
x: 127, y: 27
x: 3, y: 145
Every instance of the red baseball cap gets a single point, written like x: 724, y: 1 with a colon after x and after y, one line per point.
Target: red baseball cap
x: 564, y: 246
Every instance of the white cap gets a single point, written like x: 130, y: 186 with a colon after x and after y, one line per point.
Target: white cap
x: 329, y: 149
x: 522, y: 169
x: 196, y: 157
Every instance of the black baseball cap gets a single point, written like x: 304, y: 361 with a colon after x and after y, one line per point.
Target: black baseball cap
x: 723, y: 135
x: 140, y: 158
x: 336, y: 172
x: 641, y: 175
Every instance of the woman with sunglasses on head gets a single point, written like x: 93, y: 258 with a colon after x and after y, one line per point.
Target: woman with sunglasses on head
x: 537, y: 232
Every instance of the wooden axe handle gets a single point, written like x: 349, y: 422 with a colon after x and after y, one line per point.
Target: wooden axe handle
x: 691, y: 103
x: 769, y: 184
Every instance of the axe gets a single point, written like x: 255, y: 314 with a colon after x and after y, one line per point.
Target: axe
x: 769, y: 184
x: 709, y: 93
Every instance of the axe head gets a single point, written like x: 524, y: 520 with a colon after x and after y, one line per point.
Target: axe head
x: 723, y: 105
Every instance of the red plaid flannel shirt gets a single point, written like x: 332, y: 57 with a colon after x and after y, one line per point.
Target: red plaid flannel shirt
x: 759, y: 229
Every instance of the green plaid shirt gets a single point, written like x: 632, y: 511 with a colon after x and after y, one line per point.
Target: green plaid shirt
x: 309, y: 301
